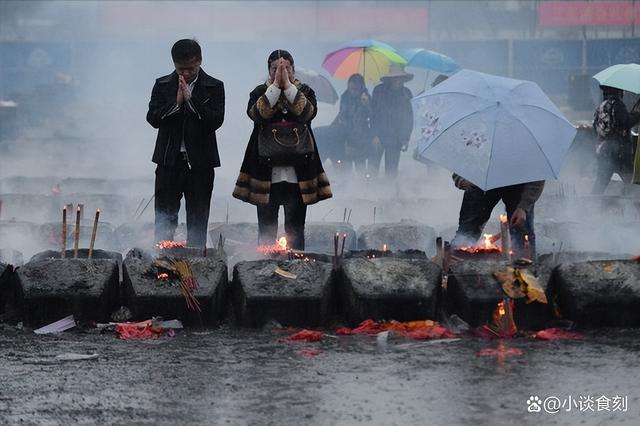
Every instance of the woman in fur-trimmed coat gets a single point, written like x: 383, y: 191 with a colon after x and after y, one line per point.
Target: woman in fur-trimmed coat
x: 282, y: 98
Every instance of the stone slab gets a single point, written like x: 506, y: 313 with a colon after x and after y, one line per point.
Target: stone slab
x: 147, y: 296
x: 259, y: 294
x: 388, y: 288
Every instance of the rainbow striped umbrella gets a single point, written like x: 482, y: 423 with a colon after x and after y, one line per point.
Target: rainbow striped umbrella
x: 370, y: 58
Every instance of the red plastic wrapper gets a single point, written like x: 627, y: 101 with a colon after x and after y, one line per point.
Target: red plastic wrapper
x: 138, y: 330
x: 557, y: 334
x: 305, y: 336
x: 418, y: 330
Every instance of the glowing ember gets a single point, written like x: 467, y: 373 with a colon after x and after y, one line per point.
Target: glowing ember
x: 384, y: 247
x: 282, y: 242
x: 503, y: 217
x: 170, y: 244
x: 487, y: 245
x: 163, y: 276
x: 281, y: 247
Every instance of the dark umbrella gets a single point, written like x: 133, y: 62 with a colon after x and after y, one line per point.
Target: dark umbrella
x: 320, y: 84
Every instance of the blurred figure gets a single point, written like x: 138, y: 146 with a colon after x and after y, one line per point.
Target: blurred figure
x: 391, y: 120
x: 615, y: 150
x: 187, y: 107
x: 477, y: 206
x: 281, y: 103
x: 353, y: 124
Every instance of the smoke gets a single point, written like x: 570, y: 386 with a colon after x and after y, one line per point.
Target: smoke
x: 86, y: 119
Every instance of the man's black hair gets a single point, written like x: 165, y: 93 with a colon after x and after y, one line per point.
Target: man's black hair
x: 185, y: 50
x: 279, y: 54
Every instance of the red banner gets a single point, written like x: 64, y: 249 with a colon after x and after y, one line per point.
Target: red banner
x: 588, y: 13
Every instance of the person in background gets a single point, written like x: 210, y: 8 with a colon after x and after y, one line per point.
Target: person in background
x: 391, y: 120
x: 281, y: 101
x: 353, y: 124
x: 477, y: 206
x: 187, y: 107
x: 615, y: 150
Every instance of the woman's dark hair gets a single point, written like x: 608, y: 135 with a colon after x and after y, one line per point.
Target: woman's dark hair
x: 276, y: 54
x: 185, y: 50
x: 611, y: 91
x: 357, y: 79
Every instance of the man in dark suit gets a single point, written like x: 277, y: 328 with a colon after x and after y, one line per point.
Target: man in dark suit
x: 187, y: 107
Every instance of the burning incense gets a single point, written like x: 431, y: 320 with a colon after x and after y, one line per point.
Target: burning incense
x: 76, y: 241
x: 349, y: 216
x: 344, y: 238
x: 93, y: 233
x: 374, y: 215
x: 64, y: 232
x: 506, y: 237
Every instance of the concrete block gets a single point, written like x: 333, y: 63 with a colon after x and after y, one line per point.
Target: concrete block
x: 601, y: 293
x: 388, y: 288
x: 404, y: 235
x: 318, y: 236
x: 473, y: 293
x: 259, y: 294
x: 51, y: 289
x: 147, y: 296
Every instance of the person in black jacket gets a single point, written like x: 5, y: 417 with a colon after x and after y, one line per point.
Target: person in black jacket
x: 615, y: 150
x: 282, y: 101
x: 353, y: 122
x: 391, y: 120
x: 187, y: 107
x: 477, y: 205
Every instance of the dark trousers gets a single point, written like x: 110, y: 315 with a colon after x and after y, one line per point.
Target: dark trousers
x: 391, y: 151
x: 295, y: 211
x: 606, y: 167
x: 196, y: 186
x: 476, y: 209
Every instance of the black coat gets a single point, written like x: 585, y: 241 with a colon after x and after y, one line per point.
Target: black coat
x: 254, y: 181
x: 392, y: 115
x: 196, y: 126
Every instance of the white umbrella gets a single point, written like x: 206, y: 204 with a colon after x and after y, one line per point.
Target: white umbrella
x: 493, y: 131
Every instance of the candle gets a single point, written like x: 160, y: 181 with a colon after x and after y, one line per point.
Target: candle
x: 527, y: 247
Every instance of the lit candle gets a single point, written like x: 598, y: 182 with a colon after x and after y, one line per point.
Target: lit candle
x: 527, y: 247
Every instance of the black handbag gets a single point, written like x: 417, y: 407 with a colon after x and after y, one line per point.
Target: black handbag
x: 284, y: 144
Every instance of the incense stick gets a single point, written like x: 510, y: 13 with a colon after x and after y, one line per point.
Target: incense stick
x: 93, y: 233
x: 76, y: 241
x: 64, y: 232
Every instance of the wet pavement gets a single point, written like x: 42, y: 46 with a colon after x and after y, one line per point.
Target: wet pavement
x: 239, y: 376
